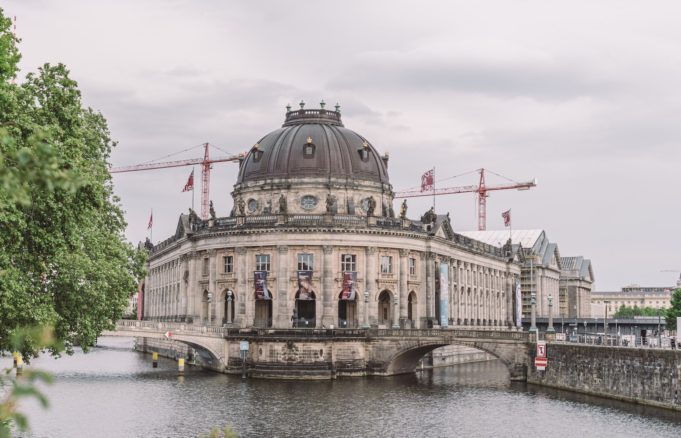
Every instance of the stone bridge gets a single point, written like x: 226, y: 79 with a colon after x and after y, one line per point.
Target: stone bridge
x: 328, y: 353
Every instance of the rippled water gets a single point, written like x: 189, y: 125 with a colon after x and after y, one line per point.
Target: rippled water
x: 114, y: 392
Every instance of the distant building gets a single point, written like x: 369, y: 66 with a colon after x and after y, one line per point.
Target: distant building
x: 543, y: 273
x: 576, y: 281
x: 630, y: 296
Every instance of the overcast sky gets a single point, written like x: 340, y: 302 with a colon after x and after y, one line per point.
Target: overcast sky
x: 582, y: 95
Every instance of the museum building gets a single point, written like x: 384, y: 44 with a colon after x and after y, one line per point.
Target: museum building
x: 314, y: 240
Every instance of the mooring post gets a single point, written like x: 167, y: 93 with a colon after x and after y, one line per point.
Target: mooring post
x: 20, y: 364
x: 180, y: 365
x: 154, y: 359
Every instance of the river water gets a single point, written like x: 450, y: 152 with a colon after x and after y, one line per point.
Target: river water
x: 114, y: 392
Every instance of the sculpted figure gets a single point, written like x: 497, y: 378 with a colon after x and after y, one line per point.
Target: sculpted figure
x: 242, y: 206
x: 212, y: 210
x: 283, y: 207
x: 372, y: 206
x: 330, y: 203
x: 403, y: 209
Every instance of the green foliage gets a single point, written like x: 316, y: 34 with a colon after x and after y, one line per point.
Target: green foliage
x: 24, y: 386
x: 626, y: 312
x: 65, y: 262
x: 674, y: 311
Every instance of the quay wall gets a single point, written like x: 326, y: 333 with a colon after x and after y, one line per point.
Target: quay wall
x: 638, y: 375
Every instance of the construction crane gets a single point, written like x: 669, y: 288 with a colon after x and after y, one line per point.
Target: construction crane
x: 481, y: 189
x: 206, y: 163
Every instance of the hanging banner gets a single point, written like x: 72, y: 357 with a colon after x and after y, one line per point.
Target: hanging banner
x: 349, y: 286
x: 444, y: 295
x: 305, y: 291
x: 261, y: 291
x: 518, y: 305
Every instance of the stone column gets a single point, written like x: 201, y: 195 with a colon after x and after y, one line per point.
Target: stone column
x: 453, y: 292
x: 213, y: 313
x: 327, y: 287
x: 370, y: 273
x: 403, y: 289
x: 191, y: 287
x: 244, y: 301
x: 430, y: 288
x: 283, y: 313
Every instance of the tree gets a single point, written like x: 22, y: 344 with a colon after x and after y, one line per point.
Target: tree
x: 674, y: 311
x: 64, y: 261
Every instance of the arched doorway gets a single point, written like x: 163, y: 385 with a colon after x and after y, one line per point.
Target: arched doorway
x: 263, y: 311
x: 384, y: 313
x: 347, y: 311
x: 230, y: 304
x: 305, y: 315
x: 411, y: 309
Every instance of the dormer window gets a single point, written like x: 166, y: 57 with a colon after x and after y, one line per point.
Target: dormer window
x: 309, y: 148
x: 364, y: 151
x: 257, y: 153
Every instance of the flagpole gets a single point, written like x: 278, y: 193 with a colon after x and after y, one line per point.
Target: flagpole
x: 510, y: 226
x: 151, y: 228
x: 192, y: 188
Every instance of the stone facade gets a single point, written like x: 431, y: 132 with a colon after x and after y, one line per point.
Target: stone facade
x: 631, y: 296
x: 313, y: 200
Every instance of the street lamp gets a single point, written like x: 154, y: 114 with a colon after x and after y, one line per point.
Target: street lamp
x: 605, y: 321
x: 533, y: 298
x: 550, y: 329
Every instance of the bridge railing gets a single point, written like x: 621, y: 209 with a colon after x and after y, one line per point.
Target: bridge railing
x: 182, y: 328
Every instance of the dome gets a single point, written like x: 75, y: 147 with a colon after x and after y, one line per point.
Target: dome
x: 313, y: 143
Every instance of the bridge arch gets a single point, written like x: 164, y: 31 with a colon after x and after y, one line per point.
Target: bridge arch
x: 405, y: 359
x: 206, y: 347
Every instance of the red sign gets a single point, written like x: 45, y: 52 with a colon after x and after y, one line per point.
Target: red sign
x: 540, y: 363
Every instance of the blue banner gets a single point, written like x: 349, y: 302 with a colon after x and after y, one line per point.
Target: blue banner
x: 444, y: 295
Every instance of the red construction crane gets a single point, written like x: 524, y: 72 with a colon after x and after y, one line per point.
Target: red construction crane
x: 205, y: 162
x: 481, y: 189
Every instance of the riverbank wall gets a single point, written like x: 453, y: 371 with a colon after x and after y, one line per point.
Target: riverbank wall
x: 638, y: 375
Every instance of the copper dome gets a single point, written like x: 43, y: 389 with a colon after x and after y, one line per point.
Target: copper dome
x: 313, y: 143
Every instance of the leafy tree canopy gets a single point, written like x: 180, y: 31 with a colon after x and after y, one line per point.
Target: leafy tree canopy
x: 64, y: 261
x: 629, y: 312
x: 674, y: 311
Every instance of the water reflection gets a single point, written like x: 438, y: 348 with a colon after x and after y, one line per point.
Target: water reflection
x: 113, y: 392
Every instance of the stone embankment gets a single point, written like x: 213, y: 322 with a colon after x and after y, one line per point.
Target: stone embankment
x: 639, y: 375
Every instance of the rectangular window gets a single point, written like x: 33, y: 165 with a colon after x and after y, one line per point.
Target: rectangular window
x: 412, y: 266
x: 305, y: 262
x: 205, y: 266
x: 348, y: 263
x: 228, y: 263
x: 386, y: 265
x: 262, y: 262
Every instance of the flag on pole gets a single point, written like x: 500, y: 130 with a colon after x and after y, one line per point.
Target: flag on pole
x: 507, y: 217
x: 151, y: 220
x: 427, y: 181
x: 190, y: 183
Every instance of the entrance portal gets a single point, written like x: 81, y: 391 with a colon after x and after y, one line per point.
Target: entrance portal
x: 347, y: 312
x: 306, y: 309
x: 263, y: 313
x: 411, y: 309
x: 384, y: 314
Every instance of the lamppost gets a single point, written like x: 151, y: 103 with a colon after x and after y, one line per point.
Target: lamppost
x: 605, y: 321
x: 659, y: 332
x: 550, y: 329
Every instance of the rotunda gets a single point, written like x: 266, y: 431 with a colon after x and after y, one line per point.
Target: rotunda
x: 313, y: 241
